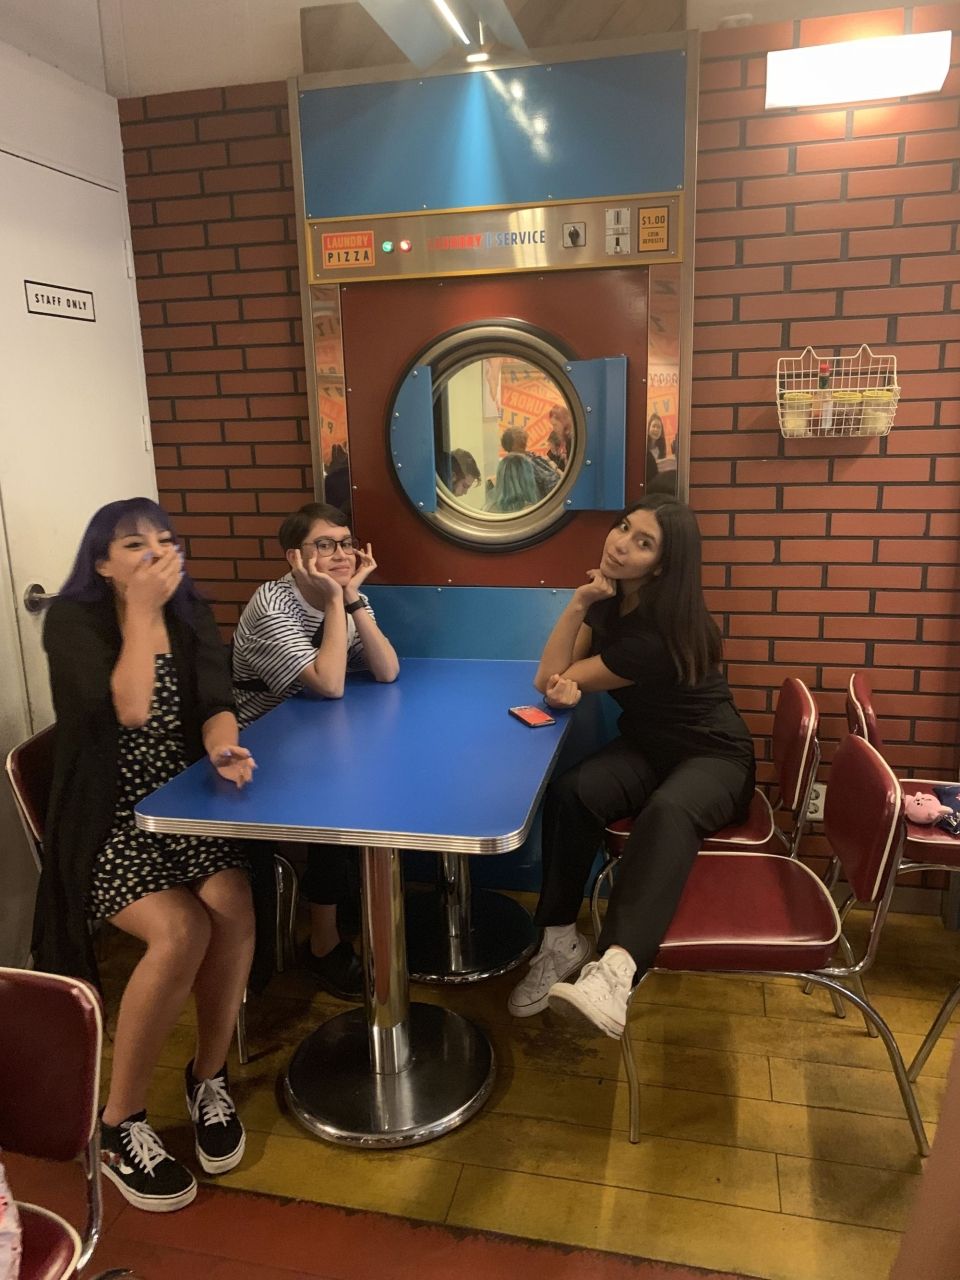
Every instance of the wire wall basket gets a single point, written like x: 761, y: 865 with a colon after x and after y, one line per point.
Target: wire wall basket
x: 836, y: 395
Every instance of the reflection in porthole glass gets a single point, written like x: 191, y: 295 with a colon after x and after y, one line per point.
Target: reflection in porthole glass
x: 504, y: 436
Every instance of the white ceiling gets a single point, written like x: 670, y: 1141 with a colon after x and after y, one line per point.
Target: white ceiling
x: 137, y: 47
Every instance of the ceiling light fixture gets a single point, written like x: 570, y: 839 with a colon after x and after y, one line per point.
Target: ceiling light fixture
x: 478, y: 57
x: 451, y: 19
x: 858, y: 70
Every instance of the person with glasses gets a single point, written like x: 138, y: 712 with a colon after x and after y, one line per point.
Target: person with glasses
x: 302, y: 633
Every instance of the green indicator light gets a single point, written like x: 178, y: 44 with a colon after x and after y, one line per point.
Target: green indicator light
x: 387, y: 246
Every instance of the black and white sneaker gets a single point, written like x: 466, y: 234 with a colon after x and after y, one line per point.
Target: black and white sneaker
x: 138, y: 1164
x: 220, y: 1135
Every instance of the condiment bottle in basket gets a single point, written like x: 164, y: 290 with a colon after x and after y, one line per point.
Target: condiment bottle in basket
x: 825, y: 396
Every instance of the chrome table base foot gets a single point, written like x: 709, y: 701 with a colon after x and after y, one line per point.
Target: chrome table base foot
x: 501, y: 935
x: 333, y: 1091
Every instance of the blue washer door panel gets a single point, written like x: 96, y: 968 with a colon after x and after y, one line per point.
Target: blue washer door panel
x: 411, y: 439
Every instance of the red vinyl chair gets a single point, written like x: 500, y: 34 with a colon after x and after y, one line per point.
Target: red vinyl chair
x: 926, y: 848
x: 770, y: 916
x: 796, y: 756
x: 30, y: 771
x: 51, y: 1034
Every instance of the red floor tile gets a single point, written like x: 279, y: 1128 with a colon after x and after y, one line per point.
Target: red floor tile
x: 232, y: 1235
x: 339, y: 1244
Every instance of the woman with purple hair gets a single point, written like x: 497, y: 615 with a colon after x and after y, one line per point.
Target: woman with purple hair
x: 141, y: 688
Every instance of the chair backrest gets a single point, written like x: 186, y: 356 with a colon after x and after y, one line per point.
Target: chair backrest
x: 863, y: 817
x: 30, y: 770
x: 861, y: 717
x: 51, y: 1033
x: 796, y: 753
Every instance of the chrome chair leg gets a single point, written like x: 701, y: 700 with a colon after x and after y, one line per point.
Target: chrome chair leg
x: 933, y: 1035
x: 288, y: 897
x: 856, y: 983
x: 893, y: 1053
x: 605, y: 873
x: 633, y: 1081
x: 243, y: 1053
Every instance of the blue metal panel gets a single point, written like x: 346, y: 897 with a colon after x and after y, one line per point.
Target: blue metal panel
x: 600, y: 127
x: 602, y: 387
x: 411, y: 439
x: 467, y: 622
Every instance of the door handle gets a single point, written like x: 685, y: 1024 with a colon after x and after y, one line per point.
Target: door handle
x: 36, y: 599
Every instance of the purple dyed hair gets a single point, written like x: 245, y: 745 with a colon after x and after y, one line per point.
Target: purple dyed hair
x: 119, y: 520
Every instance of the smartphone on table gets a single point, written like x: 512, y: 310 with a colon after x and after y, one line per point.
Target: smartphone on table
x: 533, y: 717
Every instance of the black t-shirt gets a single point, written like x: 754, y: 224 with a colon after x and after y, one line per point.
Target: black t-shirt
x: 667, y: 720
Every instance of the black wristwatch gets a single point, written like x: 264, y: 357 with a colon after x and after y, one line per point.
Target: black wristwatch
x: 352, y: 608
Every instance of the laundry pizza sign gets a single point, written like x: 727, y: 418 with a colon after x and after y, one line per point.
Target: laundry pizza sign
x: 340, y: 249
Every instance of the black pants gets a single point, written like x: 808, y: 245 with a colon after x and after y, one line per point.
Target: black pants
x: 676, y: 813
x: 331, y: 875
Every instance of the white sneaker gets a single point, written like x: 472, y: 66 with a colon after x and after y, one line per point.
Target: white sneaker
x: 599, y: 996
x: 547, y: 967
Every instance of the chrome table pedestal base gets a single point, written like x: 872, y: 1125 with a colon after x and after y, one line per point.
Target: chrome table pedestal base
x: 499, y: 935
x: 333, y: 1090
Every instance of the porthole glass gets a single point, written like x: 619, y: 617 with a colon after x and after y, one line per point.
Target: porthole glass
x: 503, y: 436
x: 508, y: 434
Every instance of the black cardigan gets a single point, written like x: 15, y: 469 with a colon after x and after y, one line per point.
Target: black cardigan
x: 83, y: 644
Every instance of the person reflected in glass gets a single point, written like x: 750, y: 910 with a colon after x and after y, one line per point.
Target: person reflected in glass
x: 523, y: 479
x: 661, y: 458
x: 560, y: 439
x: 303, y: 633
x: 459, y: 471
x: 682, y: 765
x: 141, y: 688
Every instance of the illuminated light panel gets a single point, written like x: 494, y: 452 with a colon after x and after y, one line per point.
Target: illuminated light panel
x: 387, y: 246
x: 858, y: 70
x: 451, y: 19
x: 405, y: 246
x: 478, y: 57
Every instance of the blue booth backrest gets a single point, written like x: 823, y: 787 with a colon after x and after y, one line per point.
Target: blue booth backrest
x: 489, y: 622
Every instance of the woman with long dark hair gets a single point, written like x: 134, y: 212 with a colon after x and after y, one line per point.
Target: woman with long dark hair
x: 141, y: 688
x: 639, y: 629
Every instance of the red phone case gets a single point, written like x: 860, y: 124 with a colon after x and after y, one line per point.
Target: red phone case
x: 532, y: 717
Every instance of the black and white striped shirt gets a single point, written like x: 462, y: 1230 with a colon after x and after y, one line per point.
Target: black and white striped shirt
x: 274, y: 641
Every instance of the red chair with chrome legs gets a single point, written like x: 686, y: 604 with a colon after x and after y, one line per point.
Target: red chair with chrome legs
x: 51, y: 1034
x: 926, y: 848
x: 770, y: 916
x: 796, y: 755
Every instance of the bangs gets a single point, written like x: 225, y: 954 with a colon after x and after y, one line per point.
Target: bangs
x: 141, y: 513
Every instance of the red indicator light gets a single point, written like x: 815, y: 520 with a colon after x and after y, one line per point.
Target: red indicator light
x: 405, y: 245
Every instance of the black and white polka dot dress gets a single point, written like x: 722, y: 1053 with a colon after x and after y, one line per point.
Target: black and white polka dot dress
x: 133, y: 863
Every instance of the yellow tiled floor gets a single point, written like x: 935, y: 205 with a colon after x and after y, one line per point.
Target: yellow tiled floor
x: 774, y: 1142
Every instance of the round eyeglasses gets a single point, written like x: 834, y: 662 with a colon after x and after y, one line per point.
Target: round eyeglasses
x: 327, y: 546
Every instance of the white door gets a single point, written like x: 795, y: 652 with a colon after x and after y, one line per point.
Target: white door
x: 73, y: 435
x: 73, y: 431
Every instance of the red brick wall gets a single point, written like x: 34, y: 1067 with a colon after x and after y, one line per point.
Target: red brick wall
x: 214, y: 234
x: 831, y: 227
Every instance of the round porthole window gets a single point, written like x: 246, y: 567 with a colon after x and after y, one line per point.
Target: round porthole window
x: 508, y: 434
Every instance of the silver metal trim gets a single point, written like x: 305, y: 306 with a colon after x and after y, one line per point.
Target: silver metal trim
x: 331, y: 835
x: 654, y: 42
x: 306, y: 301
x: 688, y: 252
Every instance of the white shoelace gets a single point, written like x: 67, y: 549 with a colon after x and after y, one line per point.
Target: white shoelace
x: 211, y: 1102
x: 143, y: 1145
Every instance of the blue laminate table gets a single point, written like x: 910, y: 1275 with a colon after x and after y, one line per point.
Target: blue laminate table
x: 431, y: 762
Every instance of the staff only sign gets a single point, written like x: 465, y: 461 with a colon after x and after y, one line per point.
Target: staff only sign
x: 58, y: 300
